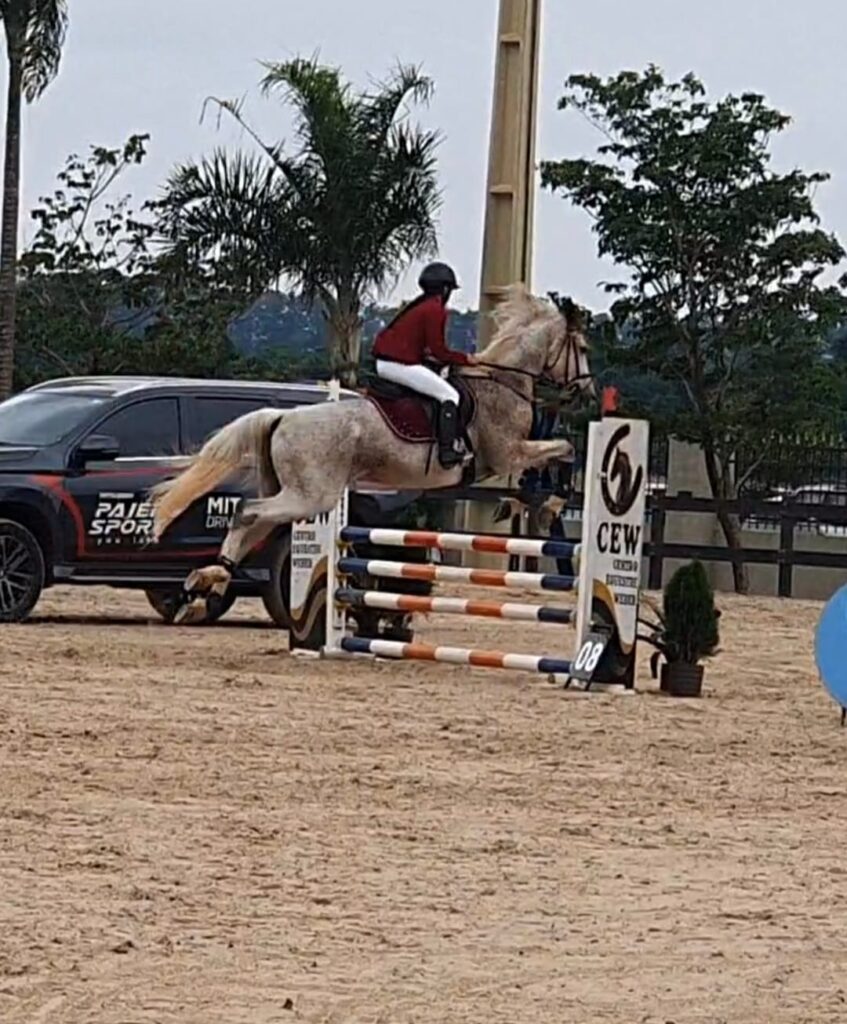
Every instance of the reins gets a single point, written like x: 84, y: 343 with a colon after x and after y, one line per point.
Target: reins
x: 530, y: 400
x: 564, y: 391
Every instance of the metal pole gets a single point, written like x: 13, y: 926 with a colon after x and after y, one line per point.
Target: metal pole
x: 510, y: 197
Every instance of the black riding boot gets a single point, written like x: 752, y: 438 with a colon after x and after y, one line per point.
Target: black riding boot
x: 450, y: 451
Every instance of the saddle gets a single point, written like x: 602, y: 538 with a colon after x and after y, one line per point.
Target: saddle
x: 413, y: 417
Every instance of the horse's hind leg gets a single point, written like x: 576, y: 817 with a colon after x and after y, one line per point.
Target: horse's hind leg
x: 252, y: 524
x: 289, y: 506
x: 240, y: 539
x: 215, y: 579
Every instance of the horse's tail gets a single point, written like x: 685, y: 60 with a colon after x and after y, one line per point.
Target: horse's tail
x: 238, y: 445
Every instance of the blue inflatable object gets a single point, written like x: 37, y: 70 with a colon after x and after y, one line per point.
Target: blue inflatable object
x: 831, y: 648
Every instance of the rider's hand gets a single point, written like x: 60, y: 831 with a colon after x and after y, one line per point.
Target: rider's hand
x: 472, y: 360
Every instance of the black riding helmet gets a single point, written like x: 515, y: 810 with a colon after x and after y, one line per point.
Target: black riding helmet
x: 437, y: 279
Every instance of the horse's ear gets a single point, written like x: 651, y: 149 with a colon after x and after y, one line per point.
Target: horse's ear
x: 570, y: 311
x: 572, y: 314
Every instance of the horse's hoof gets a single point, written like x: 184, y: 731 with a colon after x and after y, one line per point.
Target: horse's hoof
x: 211, y: 578
x: 193, y: 580
x: 192, y: 613
x: 502, y: 512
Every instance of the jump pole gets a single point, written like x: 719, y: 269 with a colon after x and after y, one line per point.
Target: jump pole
x: 607, y: 586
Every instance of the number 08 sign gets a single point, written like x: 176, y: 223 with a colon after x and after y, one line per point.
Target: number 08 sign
x: 588, y: 656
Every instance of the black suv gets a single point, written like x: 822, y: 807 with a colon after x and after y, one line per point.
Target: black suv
x: 77, y: 459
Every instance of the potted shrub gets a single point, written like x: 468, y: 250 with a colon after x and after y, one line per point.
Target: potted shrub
x: 685, y: 631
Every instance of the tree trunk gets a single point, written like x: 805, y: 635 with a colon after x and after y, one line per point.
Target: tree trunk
x: 345, y: 339
x: 731, y: 527
x: 9, y: 230
x: 723, y: 489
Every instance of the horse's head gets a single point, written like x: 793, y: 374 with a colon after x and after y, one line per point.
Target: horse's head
x: 543, y: 338
x: 567, y: 354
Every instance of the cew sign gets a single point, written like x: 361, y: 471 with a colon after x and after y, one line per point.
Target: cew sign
x: 615, y: 498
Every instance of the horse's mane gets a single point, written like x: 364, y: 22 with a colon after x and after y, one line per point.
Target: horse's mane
x: 519, y: 315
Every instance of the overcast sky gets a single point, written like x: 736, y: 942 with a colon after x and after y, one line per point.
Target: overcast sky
x: 147, y: 65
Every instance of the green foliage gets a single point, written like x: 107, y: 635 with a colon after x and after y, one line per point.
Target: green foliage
x: 364, y: 179
x: 35, y: 33
x: 687, y: 627
x: 724, y: 302
x: 690, y: 616
x: 279, y: 364
x: 340, y: 218
x: 95, y: 297
x: 80, y: 228
x: 89, y: 256
x: 224, y: 220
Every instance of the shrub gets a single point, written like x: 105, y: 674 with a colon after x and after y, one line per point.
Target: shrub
x: 687, y: 627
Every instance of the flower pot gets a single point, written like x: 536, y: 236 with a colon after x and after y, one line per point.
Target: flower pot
x: 681, y: 679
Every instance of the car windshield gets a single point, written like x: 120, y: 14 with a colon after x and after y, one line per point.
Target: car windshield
x: 40, y: 418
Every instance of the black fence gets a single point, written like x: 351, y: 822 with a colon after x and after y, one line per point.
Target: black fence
x: 813, y: 469
x: 799, y: 488
x: 793, y: 465
x: 787, y: 516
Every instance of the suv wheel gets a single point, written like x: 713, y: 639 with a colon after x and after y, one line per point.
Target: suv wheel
x: 276, y: 595
x: 166, y: 602
x: 22, y: 571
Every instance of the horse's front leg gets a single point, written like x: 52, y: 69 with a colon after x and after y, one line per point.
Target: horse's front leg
x: 531, y: 455
x: 534, y: 454
x: 213, y: 580
x: 513, y: 459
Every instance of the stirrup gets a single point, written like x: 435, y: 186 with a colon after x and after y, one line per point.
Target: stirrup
x: 449, y: 458
x: 453, y: 454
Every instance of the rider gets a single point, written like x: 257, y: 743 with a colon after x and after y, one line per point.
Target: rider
x: 418, y: 331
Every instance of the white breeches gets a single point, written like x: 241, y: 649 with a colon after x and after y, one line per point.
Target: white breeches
x: 418, y: 378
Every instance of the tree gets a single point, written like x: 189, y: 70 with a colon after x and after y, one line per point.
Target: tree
x: 96, y: 297
x: 35, y: 33
x: 340, y: 218
x: 93, y: 296
x: 85, y: 284
x: 725, y: 299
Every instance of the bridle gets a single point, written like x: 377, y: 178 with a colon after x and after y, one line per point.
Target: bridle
x: 569, y: 348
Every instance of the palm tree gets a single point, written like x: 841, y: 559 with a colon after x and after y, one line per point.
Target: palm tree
x: 340, y: 218
x: 35, y: 32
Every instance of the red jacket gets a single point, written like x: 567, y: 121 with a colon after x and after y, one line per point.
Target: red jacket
x: 418, y: 333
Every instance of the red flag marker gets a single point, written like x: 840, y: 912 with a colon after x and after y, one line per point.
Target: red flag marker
x: 610, y: 401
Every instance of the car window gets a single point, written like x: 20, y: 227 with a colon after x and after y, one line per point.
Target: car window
x: 209, y: 414
x: 146, y: 429
x: 44, y: 417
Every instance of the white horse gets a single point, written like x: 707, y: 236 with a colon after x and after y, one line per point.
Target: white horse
x: 304, y: 458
